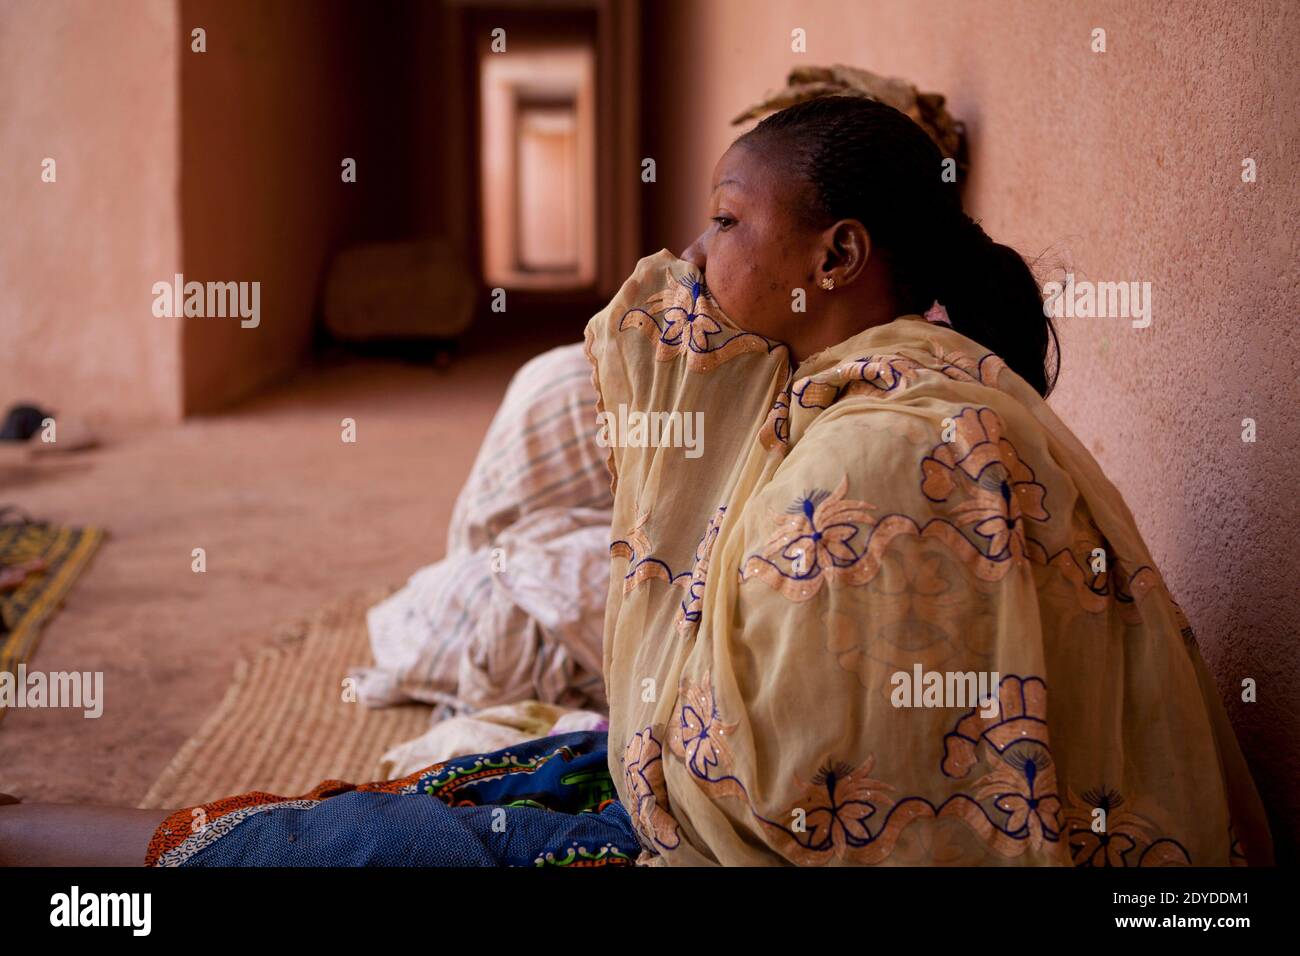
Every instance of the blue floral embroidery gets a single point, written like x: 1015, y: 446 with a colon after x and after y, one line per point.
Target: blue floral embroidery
x: 1013, y: 807
x: 683, y: 319
x: 693, y: 605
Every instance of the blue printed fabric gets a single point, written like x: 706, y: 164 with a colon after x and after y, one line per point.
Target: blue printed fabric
x: 546, y: 802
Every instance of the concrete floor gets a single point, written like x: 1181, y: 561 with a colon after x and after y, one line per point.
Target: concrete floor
x: 289, y: 515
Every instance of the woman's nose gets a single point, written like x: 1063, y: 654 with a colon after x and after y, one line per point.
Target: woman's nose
x: 695, y: 255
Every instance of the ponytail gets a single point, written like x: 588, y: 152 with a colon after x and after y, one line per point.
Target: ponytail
x: 992, y: 297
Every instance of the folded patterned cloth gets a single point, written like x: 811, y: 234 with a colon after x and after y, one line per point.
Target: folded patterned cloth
x: 545, y: 802
x: 493, y: 728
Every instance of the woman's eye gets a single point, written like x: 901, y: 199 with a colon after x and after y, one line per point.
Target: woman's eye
x: 724, y: 222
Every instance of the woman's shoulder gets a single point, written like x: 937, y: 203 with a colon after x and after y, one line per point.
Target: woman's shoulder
x: 920, y: 431
x: 919, y: 386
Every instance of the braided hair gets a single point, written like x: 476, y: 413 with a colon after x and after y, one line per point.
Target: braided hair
x: 869, y: 162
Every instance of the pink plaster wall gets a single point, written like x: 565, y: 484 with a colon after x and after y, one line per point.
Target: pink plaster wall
x: 96, y: 92
x: 268, y: 115
x: 1129, y: 163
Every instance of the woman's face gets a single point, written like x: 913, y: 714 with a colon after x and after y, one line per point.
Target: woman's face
x: 758, y: 249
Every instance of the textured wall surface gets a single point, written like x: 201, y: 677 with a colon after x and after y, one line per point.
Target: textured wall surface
x: 96, y: 92
x: 1125, y: 165
x: 266, y: 114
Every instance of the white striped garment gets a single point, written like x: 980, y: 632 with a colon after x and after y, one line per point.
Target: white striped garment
x: 515, y: 610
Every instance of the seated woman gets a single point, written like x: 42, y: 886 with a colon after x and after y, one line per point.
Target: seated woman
x: 893, y: 613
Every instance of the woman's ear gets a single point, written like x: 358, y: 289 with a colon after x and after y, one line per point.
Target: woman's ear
x: 847, y: 248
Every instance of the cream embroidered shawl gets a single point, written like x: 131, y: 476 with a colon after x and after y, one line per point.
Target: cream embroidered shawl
x: 902, y: 503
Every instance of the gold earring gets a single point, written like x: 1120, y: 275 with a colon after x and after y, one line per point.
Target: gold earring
x: 828, y: 283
